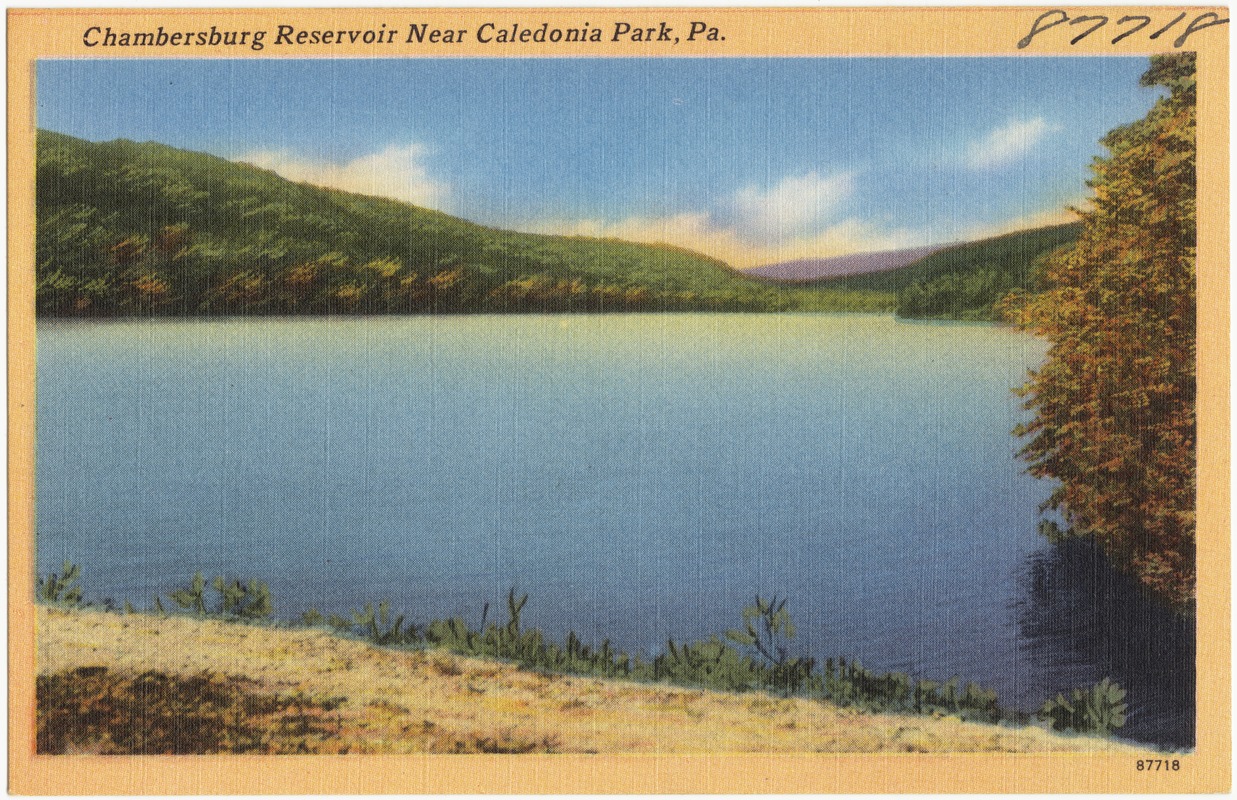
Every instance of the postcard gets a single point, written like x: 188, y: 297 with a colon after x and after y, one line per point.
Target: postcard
x: 618, y: 400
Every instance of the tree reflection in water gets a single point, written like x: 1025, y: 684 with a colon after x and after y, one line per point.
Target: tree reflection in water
x: 1080, y: 621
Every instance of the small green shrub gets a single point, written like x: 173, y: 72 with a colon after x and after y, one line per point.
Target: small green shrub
x: 711, y: 664
x: 60, y: 589
x: 193, y: 596
x: 767, y: 629
x: 453, y: 634
x: 851, y: 684
x: 378, y: 627
x: 250, y: 601
x: 1096, y: 709
x: 247, y: 601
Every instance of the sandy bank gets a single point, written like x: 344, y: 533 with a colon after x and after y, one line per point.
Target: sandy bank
x: 385, y: 701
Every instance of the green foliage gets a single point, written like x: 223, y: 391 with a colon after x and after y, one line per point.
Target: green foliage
x: 380, y: 629
x: 767, y: 629
x: 125, y: 228
x: 250, y: 601
x: 767, y: 624
x: 1114, y: 401
x: 510, y: 641
x: 576, y: 657
x: 60, y: 589
x: 965, y: 281
x: 850, y: 683
x: 453, y: 634
x: 711, y: 664
x: 193, y: 596
x: 1097, y: 709
x: 514, y: 607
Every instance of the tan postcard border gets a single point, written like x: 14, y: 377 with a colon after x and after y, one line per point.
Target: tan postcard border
x: 35, y: 34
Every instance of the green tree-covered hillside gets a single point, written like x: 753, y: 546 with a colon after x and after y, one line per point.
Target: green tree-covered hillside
x: 965, y: 281
x: 142, y: 228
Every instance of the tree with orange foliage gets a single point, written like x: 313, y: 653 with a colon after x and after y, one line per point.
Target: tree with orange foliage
x: 1114, y: 401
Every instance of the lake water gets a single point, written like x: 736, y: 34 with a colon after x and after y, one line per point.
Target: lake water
x: 640, y: 476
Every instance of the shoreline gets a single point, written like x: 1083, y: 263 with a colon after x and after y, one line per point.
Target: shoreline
x: 325, y: 693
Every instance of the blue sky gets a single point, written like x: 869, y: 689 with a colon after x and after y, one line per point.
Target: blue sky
x: 751, y: 160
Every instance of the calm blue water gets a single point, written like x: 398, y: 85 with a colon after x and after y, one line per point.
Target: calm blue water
x: 640, y: 476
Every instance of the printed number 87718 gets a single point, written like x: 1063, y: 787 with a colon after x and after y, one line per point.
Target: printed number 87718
x: 1158, y: 765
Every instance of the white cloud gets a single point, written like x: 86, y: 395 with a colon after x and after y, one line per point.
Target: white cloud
x: 397, y: 172
x: 700, y: 232
x: 795, y: 206
x: 1007, y: 143
x: 796, y: 218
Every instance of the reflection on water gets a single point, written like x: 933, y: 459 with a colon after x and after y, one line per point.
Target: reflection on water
x: 1081, y: 621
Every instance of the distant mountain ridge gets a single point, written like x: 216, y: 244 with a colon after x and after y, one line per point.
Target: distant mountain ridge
x: 814, y: 269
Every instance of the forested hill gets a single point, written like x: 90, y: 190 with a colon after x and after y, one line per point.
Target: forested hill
x: 965, y: 281
x: 143, y: 228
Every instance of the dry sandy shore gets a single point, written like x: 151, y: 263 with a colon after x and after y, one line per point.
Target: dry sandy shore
x: 398, y: 702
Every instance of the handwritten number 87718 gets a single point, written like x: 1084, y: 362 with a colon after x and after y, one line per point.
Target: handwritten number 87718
x: 1093, y: 22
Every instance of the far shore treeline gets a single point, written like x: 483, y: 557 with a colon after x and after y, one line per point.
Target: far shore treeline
x: 140, y: 229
